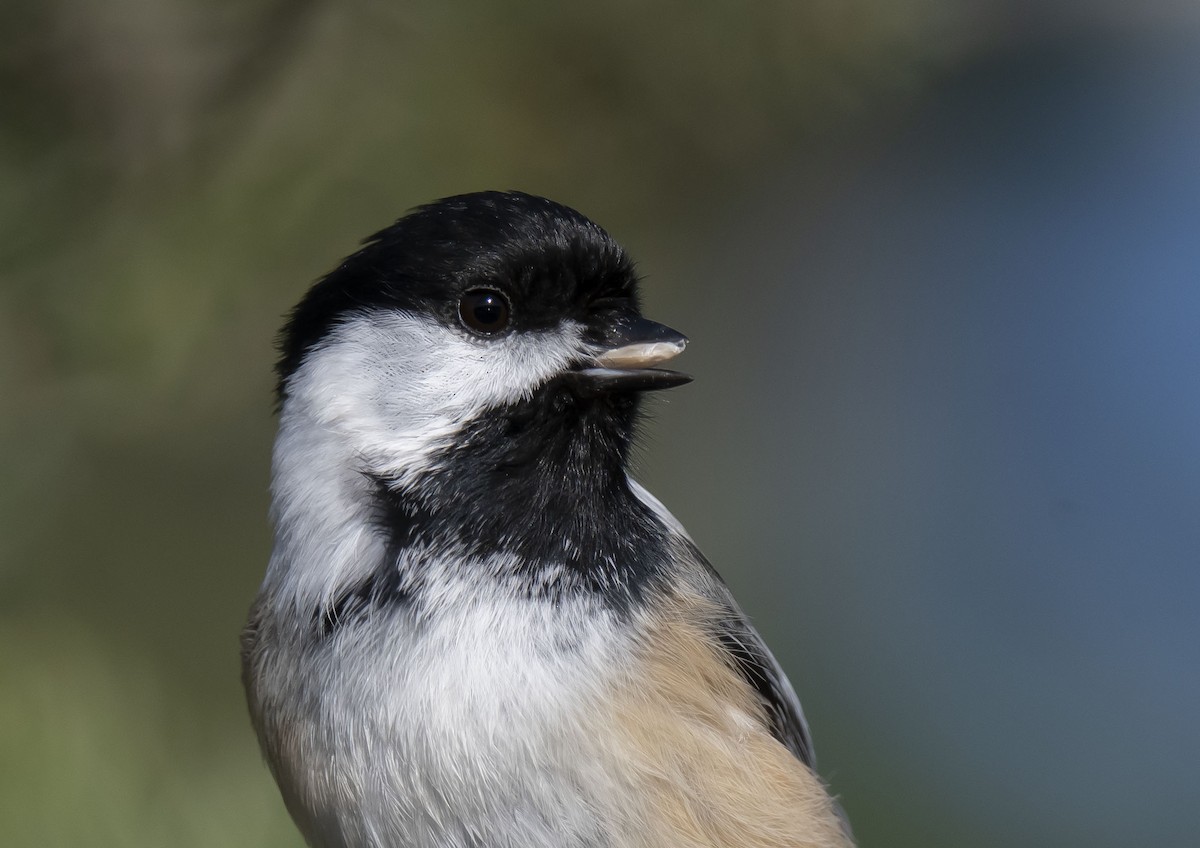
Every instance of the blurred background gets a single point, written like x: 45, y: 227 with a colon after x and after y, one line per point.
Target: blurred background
x: 940, y: 264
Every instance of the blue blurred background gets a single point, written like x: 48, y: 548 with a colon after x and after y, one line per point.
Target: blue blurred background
x: 940, y: 263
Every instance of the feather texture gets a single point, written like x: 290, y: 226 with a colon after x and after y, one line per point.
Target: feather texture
x: 475, y: 630
x: 698, y: 742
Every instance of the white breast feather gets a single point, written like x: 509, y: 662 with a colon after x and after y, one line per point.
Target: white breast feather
x: 466, y: 722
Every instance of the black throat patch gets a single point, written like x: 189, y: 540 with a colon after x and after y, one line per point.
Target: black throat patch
x: 541, y: 482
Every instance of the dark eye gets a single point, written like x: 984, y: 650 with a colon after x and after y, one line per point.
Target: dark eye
x: 484, y: 310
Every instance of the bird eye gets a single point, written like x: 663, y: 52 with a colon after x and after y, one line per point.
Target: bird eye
x: 484, y: 311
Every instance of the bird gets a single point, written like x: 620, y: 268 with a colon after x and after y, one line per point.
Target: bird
x: 475, y: 627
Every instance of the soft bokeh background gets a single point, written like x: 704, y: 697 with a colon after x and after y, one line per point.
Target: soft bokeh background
x: 940, y: 262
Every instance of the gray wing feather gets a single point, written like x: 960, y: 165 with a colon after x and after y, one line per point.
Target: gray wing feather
x: 754, y: 661
x: 748, y: 653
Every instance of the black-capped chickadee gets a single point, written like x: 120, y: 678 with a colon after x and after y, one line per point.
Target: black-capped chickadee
x: 476, y: 631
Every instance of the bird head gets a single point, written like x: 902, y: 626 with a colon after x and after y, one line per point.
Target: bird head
x: 490, y: 308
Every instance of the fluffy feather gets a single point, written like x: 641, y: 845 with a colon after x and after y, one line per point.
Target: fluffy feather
x: 475, y: 630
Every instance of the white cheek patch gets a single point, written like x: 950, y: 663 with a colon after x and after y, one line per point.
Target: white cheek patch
x: 382, y: 394
x: 396, y: 385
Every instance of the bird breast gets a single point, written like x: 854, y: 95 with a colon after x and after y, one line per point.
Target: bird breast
x: 510, y: 720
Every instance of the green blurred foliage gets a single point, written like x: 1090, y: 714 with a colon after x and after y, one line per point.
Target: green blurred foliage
x: 176, y: 173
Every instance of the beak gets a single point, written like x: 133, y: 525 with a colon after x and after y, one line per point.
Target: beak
x: 636, y: 345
